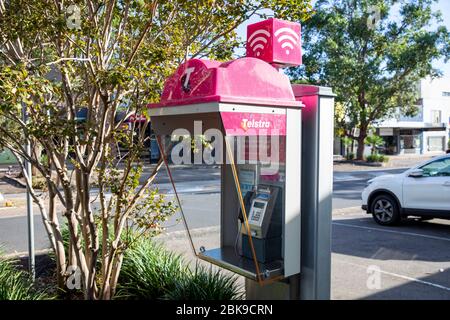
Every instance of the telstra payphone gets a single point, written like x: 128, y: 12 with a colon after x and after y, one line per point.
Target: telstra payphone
x: 246, y: 111
x: 240, y: 123
x: 265, y: 221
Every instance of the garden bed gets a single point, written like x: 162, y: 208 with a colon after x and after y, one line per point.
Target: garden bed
x: 149, y: 272
x: 362, y: 163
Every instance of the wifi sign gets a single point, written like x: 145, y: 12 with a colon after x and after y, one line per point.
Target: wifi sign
x: 258, y: 40
x: 287, y: 38
x: 275, y: 41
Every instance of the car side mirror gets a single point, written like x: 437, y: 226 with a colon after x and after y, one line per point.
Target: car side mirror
x: 416, y: 173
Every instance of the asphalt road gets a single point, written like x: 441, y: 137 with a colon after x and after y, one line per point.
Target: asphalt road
x: 199, y: 193
x: 348, y: 186
x: 368, y: 261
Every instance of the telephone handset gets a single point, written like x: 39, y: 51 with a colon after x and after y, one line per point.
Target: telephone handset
x: 247, y: 203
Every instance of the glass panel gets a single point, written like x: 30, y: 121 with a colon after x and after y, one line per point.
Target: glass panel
x: 259, y: 162
x: 232, y: 206
x: 436, y: 143
x: 196, y: 189
x: 410, y: 141
x: 437, y: 168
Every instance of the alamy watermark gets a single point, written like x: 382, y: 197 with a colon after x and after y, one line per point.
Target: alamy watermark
x: 254, y: 144
x: 73, y: 281
x: 374, y: 17
x: 374, y: 279
x: 73, y: 17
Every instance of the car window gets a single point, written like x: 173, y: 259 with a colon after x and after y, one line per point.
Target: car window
x: 438, y: 168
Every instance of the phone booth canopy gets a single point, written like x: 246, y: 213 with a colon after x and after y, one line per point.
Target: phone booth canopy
x: 241, y: 120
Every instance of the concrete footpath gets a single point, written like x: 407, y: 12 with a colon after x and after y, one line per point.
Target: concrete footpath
x: 395, y: 162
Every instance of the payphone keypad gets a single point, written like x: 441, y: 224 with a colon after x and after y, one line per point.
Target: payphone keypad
x: 258, y: 211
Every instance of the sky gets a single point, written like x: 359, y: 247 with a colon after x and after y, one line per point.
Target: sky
x: 444, y: 7
x: 441, y: 5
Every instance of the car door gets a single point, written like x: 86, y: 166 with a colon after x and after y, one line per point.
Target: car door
x: 432, y: 190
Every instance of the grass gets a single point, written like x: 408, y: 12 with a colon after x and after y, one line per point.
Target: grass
x: 151, y: 272
x: 206, y: 284
x: 379, y: 158
x: 15, y: 284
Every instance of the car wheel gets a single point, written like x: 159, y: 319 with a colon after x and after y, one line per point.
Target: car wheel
x: 385, y: 210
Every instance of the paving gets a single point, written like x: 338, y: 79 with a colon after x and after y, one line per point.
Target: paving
x: 396, y: 161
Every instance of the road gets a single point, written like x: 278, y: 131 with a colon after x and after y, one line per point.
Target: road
x: 194, y: 186
x: 411, y: 261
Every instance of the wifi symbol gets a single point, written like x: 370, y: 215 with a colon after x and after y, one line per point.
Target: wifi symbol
x: 258, y: 41
x: 289, y: 39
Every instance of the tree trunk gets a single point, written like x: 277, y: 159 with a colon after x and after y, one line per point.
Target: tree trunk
x: 37, y: 151
x: 361, y: 145
x: 61, y: 263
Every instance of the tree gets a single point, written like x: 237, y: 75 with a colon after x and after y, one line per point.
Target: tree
x: 59, y: 59
x: 375, y: 142
x: 372, y: 60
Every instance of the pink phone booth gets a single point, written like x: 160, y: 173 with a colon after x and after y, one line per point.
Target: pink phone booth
x: 247, y: 111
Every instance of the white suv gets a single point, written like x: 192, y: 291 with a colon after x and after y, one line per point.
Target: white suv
x: 422, y: 191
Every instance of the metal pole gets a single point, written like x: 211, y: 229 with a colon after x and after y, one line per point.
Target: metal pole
x: 30, y: 218
x: 317, y: 191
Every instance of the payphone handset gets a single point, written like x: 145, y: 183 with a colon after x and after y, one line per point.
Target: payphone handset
x: 262, y: 204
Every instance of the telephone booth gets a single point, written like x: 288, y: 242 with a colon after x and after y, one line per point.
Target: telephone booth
x: 240, y: 124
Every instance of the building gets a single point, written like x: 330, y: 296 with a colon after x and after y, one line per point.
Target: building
x: 426, y: 133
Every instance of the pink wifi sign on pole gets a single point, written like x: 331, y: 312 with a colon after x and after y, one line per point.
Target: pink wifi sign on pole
x: 275, y: 41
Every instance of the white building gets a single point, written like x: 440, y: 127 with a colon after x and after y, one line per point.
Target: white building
x: 426, y: 133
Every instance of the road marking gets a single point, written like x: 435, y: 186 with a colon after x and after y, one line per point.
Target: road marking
x: 391, y: 231
x: 375, y: 169
x: 435, y: 285
x: 352, y: 179
x: 349, y: 211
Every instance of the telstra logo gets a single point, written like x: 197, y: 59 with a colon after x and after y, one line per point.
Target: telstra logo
x: 248, y: 124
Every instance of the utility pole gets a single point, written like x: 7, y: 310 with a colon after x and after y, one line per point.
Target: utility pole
x: 30, y: 218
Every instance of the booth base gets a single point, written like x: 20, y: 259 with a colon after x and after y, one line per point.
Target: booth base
x: 227, y: 258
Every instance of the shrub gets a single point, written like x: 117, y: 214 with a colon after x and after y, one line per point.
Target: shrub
x: 375, y: 142
x: 383, y: 158
x: 15, y: 284
x: 377, y: 158
x: 350, y: 156
x: 150, y: 271
x: 372, y: 158
x: 39, y: 183
x: 206, y: 284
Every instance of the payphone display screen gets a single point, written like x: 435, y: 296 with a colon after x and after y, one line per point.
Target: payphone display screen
x: 259, y: 205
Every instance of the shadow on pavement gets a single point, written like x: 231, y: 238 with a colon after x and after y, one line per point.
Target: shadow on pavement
x: 425, y: 288
x: 421, y: 241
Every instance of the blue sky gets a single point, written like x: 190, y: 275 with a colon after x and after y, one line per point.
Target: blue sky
x: 444, y: 7
x: 441, y: 5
